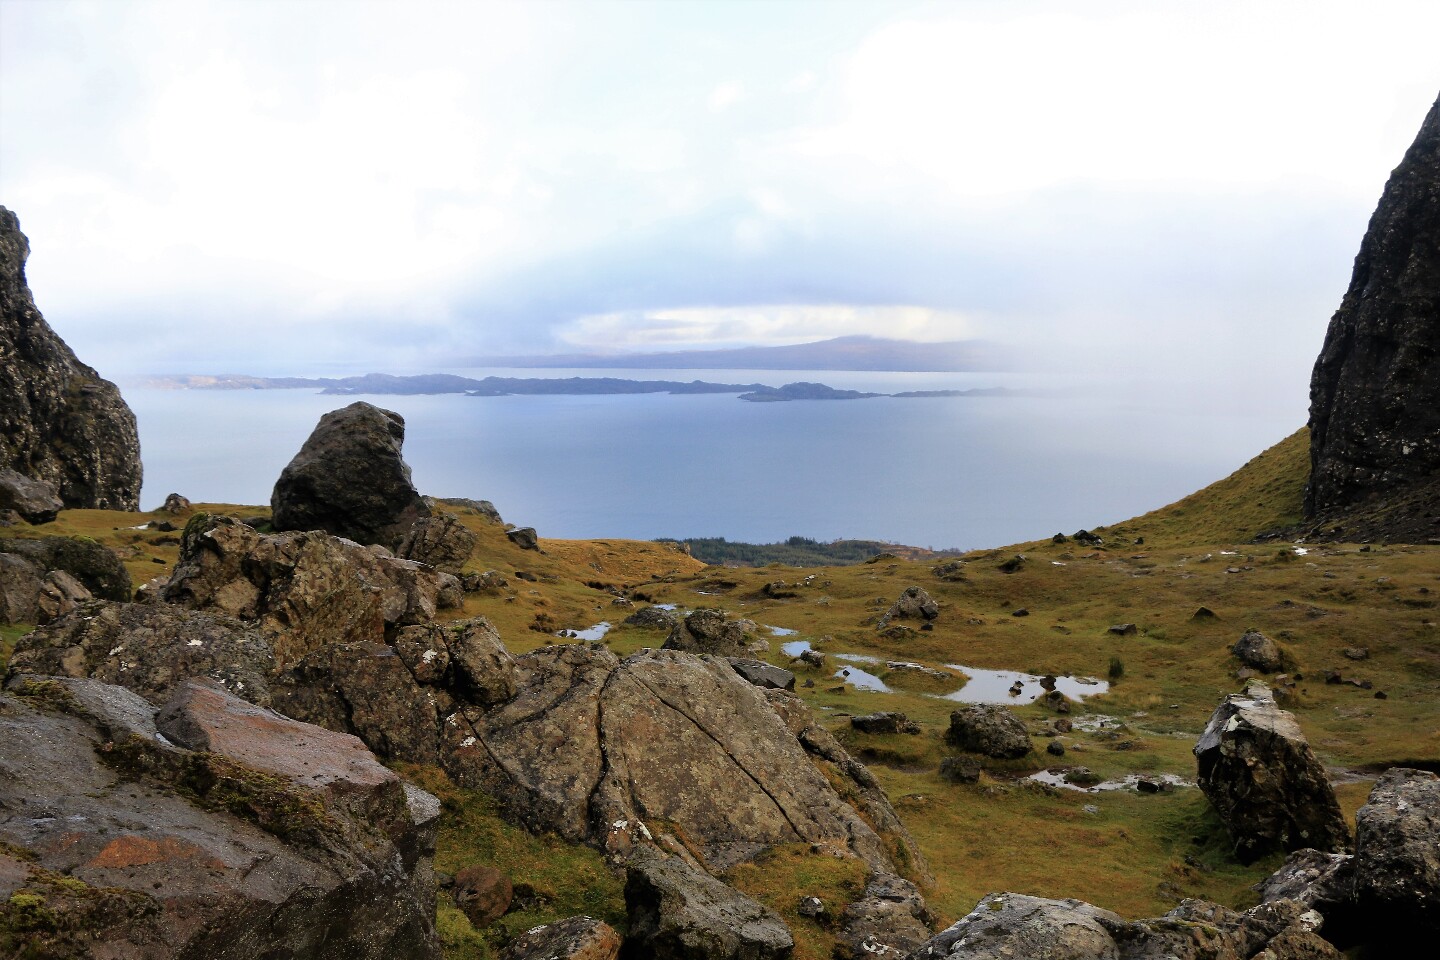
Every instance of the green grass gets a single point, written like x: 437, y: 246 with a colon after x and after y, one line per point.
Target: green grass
x: 564, y: 879
x: 10, y: 633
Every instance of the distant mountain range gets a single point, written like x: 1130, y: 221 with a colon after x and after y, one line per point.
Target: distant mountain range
x: 840, y: 353
x: 435, y: 383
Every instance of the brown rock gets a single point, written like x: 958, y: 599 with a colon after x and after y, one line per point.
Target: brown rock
x: 483, y: 893
x: 243, y: 863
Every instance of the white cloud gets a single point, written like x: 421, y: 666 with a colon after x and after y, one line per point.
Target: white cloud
x: 725, y: 95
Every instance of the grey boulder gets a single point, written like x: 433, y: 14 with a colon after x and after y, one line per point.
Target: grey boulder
x: 1259, y: 773
x: 350, y: 480
x: 989, y: 729
x: 679, y: 913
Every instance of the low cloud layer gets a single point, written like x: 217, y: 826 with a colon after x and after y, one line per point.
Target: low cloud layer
x: 277, y: 187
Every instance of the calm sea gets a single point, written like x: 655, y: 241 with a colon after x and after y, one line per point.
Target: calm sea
x: 944, y: 472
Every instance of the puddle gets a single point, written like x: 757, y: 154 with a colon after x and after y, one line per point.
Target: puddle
x: 780, y: 631
x: 861, y: 679
x: 593, y: 634
x: 1053, y: 778
x: 664, y: 606
x: 994, y: 686
x: 1094, y: 722
x: 983, y: 686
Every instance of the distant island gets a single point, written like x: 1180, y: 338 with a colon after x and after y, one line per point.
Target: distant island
x: 840, y: 353
x: 437, y: 383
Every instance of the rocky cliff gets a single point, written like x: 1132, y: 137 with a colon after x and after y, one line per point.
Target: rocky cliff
x: 1375, y: 390
x: 59, y: 421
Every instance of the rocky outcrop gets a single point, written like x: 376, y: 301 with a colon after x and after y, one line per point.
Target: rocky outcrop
x: 273, y: 839
x: 350, y: 480
x: 575, y: 938
x: 1375, y: 390
x: 1386, y: 896
x: 914, y: 603
x: 97, y: 567
x: 1012, y: 925
x: 304, y: 590
x: 710, y: 631
x: 679, y: 913
x: 601, y: 750
x: 657, y: 618
x: 990, y: 730
x: 60, y: 423
x: 43, y: 579
x: 1258, y: 772
x: 151, y: 649
x: 36, y: 501
x: 442, y: 542
x: 1397, y: 851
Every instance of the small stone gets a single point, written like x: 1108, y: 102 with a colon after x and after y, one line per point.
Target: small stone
x: 811, y: 907
x: 1055, y: 748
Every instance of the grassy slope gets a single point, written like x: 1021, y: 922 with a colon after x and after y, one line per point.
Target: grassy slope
x: 1265, y: 494
x: 1134, y: 854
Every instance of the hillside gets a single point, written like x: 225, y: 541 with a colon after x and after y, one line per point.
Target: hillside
x: 1052, y: 612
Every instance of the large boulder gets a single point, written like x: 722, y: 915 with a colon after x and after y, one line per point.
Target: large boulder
x: 1397, y: 851
x: 60, y: 422
x: 37, y: 501
x: 272, y: 838
x: 679, y: 913
x: 989, y: 729
x: 1257, y: 770
x: 305, y: 590
x: 1009, y: 926
x: 593, y: 748
x: 349, y: 479
x: 151, y: 649
x: 710, y: 631
x: 1375, y: 392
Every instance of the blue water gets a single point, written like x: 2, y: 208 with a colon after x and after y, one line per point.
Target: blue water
x: 944, y: 472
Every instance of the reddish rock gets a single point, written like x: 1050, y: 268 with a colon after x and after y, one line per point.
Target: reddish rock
x: 484, y: 893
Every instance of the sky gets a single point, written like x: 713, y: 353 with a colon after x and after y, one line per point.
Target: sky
x: 1162, y: 188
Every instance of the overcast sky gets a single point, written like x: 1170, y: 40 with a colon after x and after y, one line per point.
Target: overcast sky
x: 280, y: 187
